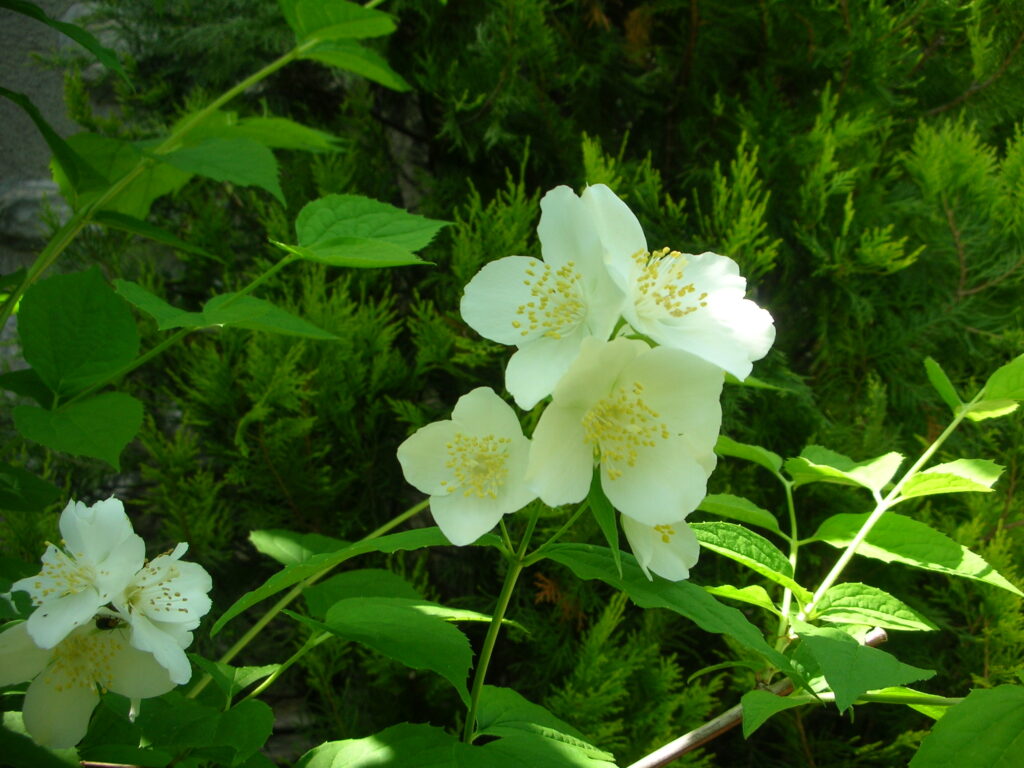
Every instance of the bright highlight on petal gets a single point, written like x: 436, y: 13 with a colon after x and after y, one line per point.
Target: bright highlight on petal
x: 667, y: 549
x: 473, y: 466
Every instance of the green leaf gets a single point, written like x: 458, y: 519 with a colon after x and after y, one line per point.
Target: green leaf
x: 1007, y: 383
x: 333, y: 217
x: 738, y: 508
x: 282, y: 133
x: 820, y: 465
x: 27, y: 383
x: 351, y: 56
x: 942, y: 384
x: 75, y: 332
x: 174, y: 722
x: 22, y: 491
x: 165, y: 315
x: 293, y: 574
x: 853, y: 603
x: 755, y: 453
x: 749, y: 549
x: 18, y: 749
x: 238, y: 160
x: 232, y: 680
x: 232, y: 310
x: 366, y: 582
x: 99, y: 427
x: 109, y: 160
x: 76, y: 168
x: 402, y: 630
x: 517, y: 750
x: 504, y: 712
x: 130, y: 224
x: 356, y: 252
x: 604, y: 514
x: 991, y: 409
x: 290, y: 548
x: 914, y: 699
x: 84, y: 38
x: 592, y: 562
x: 899, y: 539
x: 851, y: 669
x: 985, y: 730
x: 758, y: 706
x: 754, y: 594
x: 405, y: 745
x: 333, y: 20
x: 960, y: 476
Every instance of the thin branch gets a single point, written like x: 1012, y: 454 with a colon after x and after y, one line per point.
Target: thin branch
x: 975, y: 87
x: 729, y: 719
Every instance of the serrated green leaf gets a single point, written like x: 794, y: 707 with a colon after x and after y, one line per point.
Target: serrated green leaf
x: 592, y: 562
x: 604, y: 514
x: 985, y: 730
x: 899, y: 539
x: 854, y: 603
x: 232, y: 310
x: 751, y: 550
x: 238, y: 160
x: 282, y: 133
x: 336, y: 216
x: 1007, y: 383
x: 83, y: 37
x: 502, y: 710
x: 816, y: 464
x: 759, y: 706
x: 21, y: 491
x: 291, y: 548
x: 320, y: 20
x: 738, y: 508
x: 27, y: 383
x: 358, y: 253
x: 293, y: 574
x: 851, y: 669
x: 960, y: 476
x: 165, y: 315
x: 755, y: 453
x: 942, y: 384
x: 130, y: 224
x: 75, y: 332
x: 99, y: 427
x: 754, y: 594
x: 365, y: 582
x: 399, y: 629
x: 405, y: 745
x: 351, y: 56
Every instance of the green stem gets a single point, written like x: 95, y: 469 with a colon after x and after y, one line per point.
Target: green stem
x: 294, y: 592
x: 538, y: 553
x: 883, y: 505
x: 794, y: 548
x: 516, y: 566
x: 312, y: 642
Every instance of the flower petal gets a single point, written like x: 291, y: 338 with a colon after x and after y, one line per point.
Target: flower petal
x: 533, y: 372
x: 665, y: 483
x: 56, y: 710
x: 566, y: 232
x: 465, y: 518
x: 620, y: 232
x: 561, y: 461
x: 94, y: 532
x: 20, y: 658
x: 492, y: 301
x: 424, y: 458
x: 54, y: 620
x: 670, y: 550
x: 165, y: 648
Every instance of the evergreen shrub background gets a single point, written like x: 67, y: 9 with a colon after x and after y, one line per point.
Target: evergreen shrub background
x: 862, y: 161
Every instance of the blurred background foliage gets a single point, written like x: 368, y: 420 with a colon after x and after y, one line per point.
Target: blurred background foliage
x: 862, y: 161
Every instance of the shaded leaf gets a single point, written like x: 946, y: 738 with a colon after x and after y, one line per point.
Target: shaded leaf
x: 738, y: 508
x: 290, y: 548
x: 985, y: 730
x: 759, y: 706
x: 316, y: 19
x: 351, y: 56
x: 238, y: 160
x: 365, y: 582
x: 22, y: 491
x: 604, y: 514
x: 754, y: 594
x: 942, y: 384
x: 126, y: 223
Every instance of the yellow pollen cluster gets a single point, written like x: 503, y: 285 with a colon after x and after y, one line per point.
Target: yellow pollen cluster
x: 66, y: 576
x: 619, y: 425
x: 661, y: 282
x: 666, y: 531
x: 160, y: 596
x: 480, y: 464
x: 82, y: 660
x: 556, y: 301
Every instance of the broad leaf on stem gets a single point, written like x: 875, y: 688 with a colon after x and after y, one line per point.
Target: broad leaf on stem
x: 762, y: 456
x: 853, y: 603
x: 985, y: 729
x: 820, y: 465
x: 960, y: 476
x: 739, y: 508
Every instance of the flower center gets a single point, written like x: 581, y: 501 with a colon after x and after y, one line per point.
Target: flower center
x: 83, y: 659
x: 666, y: 531
x: 480, y: 464
x: 662, y: 286
x: 154, y: 592
x: 556, y: 305
x: 62, y: 575
x: 619, y: 425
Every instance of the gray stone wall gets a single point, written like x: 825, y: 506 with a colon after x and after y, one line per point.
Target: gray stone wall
x: 24, y: 156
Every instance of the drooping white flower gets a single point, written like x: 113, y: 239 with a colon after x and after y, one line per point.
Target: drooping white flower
x: 546, y: 308
x: 669, y: 549
x: 473, y: 466
x: 63, y: 691
x: 163, y: 603
x: 649, y: 417
x: 690, y: 302
x: 102, y: 554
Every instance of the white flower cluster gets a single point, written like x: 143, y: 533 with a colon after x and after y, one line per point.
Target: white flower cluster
x: 104, y: 616
x: 631, y: 345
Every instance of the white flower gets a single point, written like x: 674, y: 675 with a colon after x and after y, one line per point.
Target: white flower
x: 472, y: 466
x: 163, y: 603
x: 649, y: 417
x: 669, y: 550
x: 546, y: 308
x: 690, y: 302
x: 103, y: 553
x: 63, y: 692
